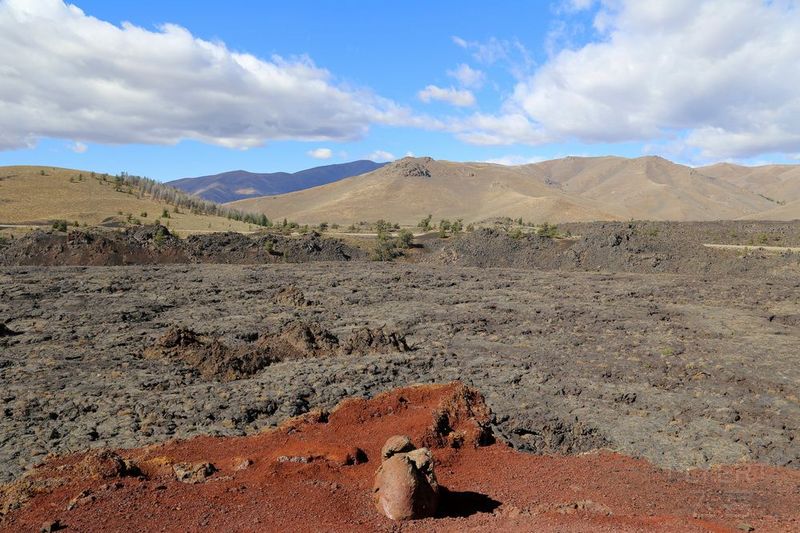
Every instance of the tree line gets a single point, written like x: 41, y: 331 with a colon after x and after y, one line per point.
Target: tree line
x: 180, y: 199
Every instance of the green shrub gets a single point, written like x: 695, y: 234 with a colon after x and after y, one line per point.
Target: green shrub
x: 165, y: 213
x: 425, y: 223
x: 385, y: 248
x: 160, y: 236
x: 60, y: 225
x: 549, y: 231
x: 405, y: 239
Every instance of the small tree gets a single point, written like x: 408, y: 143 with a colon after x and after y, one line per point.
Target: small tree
x: 165, y: 213
x: 385, y: 248
x: 160, y: 236
x: 457, y: 226
x: 425, y: 223
x: 547, y: 230
x: 405, y: 239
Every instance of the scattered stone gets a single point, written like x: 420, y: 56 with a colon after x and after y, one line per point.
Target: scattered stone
x: 82, y: 498
x: 365, y: 340
x: 745, y: 527
x: 294, y: 459
x: 292, y: 296
x: 5, y: 331
x: 193, y: 472
x: 405, y: 484
x: 242, y: 464
x: 214, y: 360
x: 106, y: 464
x: 51, y: 525
x: 463, y: 418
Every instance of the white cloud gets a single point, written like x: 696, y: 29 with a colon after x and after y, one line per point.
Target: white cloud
x: 721, y: 75
x: 64, y: 74
x: 515, y: 160
x: 467, y: 76
x: 78, y: 147
x: 578, y: 5
x: 509, y: 128
x: 381, y: 156
x: 456, y: 97
x: 320, y: 153
x: 459, y: 41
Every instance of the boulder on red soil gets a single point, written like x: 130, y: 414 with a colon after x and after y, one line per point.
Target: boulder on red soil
x: 480, y: 488
x: 193, y: 472
x: 405, y: 484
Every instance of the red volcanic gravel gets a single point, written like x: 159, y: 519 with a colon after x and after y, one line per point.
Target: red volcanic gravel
x: 315, y: 473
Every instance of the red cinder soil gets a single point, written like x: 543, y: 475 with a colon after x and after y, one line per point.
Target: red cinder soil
x: 315, y: 474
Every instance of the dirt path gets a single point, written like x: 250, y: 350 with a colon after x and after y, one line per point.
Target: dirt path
x: 751, y: 247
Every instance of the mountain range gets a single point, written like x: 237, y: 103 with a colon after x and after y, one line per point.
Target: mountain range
x: 561, y: 190
x: 239, y: 184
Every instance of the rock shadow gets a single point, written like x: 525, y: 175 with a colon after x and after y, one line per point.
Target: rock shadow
x: 461, y: 504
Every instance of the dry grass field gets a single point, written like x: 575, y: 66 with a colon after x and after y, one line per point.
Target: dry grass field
x: 38, y: 195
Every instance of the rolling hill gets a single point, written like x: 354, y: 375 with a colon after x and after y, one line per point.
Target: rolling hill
x: 569, y: 189
x: 239, y: 184
x: 38, y: 195
x: 407, y: 190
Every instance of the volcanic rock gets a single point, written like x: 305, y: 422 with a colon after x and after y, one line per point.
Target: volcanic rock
x: 5, y: 331
x: 193, y: 472
x: 405, y: 484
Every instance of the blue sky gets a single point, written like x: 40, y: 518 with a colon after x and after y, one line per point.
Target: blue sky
x: 511, y: 81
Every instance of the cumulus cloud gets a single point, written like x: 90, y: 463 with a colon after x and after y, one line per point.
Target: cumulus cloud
x: 467, y: 76
x: 320, y: 153
x: 456, y: 97
x: 508, y: 128
x: 381, y: 156
x: 721, y: 75
x: 64, y: 74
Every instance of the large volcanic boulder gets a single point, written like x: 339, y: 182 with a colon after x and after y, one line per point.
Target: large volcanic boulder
x: 405, y: 484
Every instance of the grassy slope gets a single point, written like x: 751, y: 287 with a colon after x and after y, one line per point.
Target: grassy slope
x: 28, y: 197
x: 565, y: 190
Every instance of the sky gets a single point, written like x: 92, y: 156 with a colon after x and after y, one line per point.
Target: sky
x: 187, y: 88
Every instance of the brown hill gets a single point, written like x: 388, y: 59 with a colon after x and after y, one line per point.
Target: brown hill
x: 569, y: 189
x: 778, y: 183
x: 38, y: 195
x: 407, y: 190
